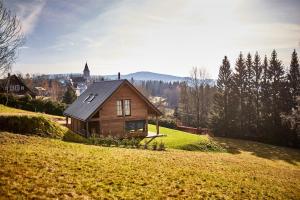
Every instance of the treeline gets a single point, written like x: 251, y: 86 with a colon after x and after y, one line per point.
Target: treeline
x: 168, y: 90
x: 251, y: 100
x: 196, y: 99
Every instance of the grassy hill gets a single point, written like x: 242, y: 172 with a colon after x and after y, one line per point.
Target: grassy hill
x: 36, y: 167
x: 32, y: 167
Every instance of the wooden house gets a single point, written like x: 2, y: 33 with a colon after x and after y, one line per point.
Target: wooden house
x: 114, y: 108
x: 15, y: 85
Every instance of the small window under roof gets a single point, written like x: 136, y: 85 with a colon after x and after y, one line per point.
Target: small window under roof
x: 87, y: 98
x: 92, y: 97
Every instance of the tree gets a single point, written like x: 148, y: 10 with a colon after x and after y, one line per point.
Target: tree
x: 69, y: 96
x: 240, y: 87
x: 249, y: 100
x: 220, y: 120
x: 276, y: 75
x: 198, y: 82
x: 294, y: 78
x: 10, y: 38
x: 265, y: 97
x: 257, y: 76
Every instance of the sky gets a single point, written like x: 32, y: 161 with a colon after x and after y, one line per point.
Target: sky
x: 163, y: 36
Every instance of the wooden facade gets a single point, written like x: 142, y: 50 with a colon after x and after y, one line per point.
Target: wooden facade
x: 14, y: 85
x: 130, y: 121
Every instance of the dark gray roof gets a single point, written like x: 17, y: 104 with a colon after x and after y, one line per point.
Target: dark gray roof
x: 82, y: 109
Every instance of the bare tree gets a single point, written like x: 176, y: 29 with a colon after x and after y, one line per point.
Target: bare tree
x: 198, y: 82
x: 11, y: 38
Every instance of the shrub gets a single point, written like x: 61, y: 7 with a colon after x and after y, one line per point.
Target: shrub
x: 36, y: 105
x: 31, y: 125
x: 165, y: 122
x: 161, y: 146
x: 154, y: 145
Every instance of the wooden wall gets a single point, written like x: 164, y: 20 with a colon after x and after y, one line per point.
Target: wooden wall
x: 76, y: 125
x: 110, y: 123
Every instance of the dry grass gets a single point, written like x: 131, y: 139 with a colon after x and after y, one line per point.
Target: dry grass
x: 32, y: 167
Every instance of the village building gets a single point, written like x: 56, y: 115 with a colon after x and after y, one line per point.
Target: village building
x: 114, y: 108
x: 80, y: 83
x: 15, y: 85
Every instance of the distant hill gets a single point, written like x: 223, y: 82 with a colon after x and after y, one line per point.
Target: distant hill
x: 151, y: 76
x: 147, y: 76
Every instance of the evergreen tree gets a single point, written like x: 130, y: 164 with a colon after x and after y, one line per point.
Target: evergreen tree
x: 265, y: 97
x: 249, y: 100
x: 69, y: 96
x: 240, y: 87
x: 294, y: 78
x: 276, y: 74
x: 220, y: 120
x: 257, y: 88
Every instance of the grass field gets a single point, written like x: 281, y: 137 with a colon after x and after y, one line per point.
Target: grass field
x: 42, y: 168
x: 33, y: 167
x: 176, y: 139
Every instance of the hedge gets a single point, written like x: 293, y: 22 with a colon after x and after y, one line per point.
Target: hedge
x: 36, y: 105
x: 165, y: 122
x: 31, y: 125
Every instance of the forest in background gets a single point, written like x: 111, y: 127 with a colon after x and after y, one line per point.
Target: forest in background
x: 257, y: 100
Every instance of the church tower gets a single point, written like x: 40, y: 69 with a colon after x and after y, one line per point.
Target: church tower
x: 86, y: 72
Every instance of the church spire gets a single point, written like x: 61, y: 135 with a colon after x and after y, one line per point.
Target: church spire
x: 86, y: 71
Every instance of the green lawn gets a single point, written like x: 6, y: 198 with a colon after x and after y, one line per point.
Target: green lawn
x: 176, y: 139
x: 33, y: 167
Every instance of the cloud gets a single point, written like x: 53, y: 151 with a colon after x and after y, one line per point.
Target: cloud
x: 29, y: 14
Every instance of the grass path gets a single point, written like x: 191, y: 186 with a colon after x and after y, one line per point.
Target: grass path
x: 32, y: 167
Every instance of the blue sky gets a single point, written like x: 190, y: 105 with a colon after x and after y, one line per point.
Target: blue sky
x: 165, y: 36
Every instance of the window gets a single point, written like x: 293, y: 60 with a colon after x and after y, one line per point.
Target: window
x: 91, y: 98
x: 127, y: 107
x: 22, y: 87
x: 119, y: 108
x: 87, y: 98
x: 138, y: 125
x: 17, y: 87
x: 12, y: 88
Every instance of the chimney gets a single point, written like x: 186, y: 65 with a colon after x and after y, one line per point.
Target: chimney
x: 119, y: 76
x: 8, y: 75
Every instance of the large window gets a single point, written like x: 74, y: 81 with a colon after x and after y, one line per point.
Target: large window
x: 127, y: 107
x: 119, y: 108
x: 138, y: 125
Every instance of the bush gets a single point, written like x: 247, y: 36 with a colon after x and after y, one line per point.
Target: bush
x: 161, y: 146
x: 165, y: 122
x: 36, y: 105
x: 154, y: 145
x: 31, y: 125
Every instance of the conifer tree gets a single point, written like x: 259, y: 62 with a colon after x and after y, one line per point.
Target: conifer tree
x: 221, y: 111
x: 69, y: 96
x: 276, y: 75
x: 249, y: 100
x: 294, y: 78
x: 257, y: 76
x: 240, y: 88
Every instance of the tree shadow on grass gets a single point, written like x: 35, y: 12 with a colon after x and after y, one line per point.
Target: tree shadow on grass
x: 271, y: 152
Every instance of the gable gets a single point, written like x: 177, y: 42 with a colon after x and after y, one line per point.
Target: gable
x: 90, y: 101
